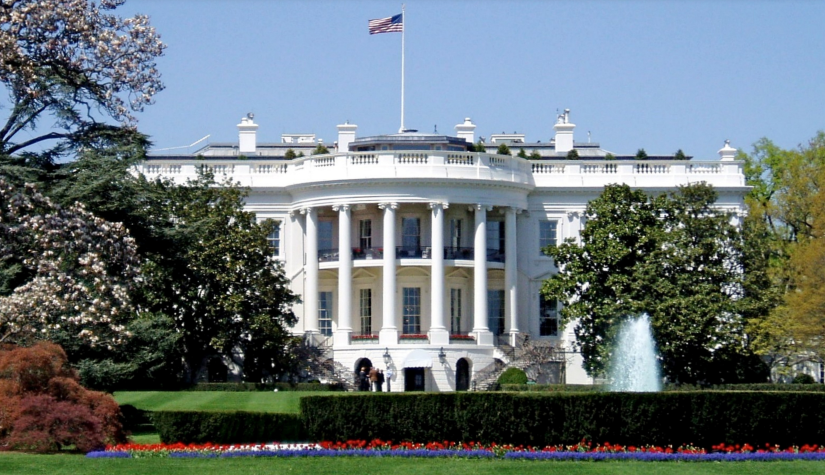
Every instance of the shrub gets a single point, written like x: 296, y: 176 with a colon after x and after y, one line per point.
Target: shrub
x: 513, y: 376
x: 43, y: 408
x: 704, y: 418
x: 802, y: 378
x: 552, y: 387
x: 228, y: 427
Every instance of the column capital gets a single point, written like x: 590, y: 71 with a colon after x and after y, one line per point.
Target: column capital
x: 391, y: 205
x: 307, y: 209
x: 574, y: 214
x: 479, y: 207
x: 341, y: 207
x: 515, y: 209
x: 437, y: 204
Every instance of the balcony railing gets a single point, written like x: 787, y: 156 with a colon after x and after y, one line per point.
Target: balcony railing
x: 408, y: 252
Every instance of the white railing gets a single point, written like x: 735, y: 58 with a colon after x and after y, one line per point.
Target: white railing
x: 451, y: 165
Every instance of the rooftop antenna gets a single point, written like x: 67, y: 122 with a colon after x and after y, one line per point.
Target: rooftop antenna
x: 182, y: 146
x: 588, y: 136
x: 435, y: 129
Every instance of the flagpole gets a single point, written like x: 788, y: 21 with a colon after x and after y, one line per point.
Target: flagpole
x: 403, y: 32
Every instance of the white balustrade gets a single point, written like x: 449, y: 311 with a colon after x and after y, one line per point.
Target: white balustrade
x: 452, y: 165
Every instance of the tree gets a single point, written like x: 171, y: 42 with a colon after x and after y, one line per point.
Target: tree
x: 64, y: 271
x: 44, y: 409
x: 674, y: 257
x: 641, y: 154
x: 522, y: 153
x: 480, y: 147
x: 573, y: 154
x: 320, y: 149
x: 610, y: 156
x: 534, y: 155
x: 290, y: 154
x: 503, y: 149
x: 220, y: 283
x: 73, y: 61
x: 784, y: 207
x: 680, y: 155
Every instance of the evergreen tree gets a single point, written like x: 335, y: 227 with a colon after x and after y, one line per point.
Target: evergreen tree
x: 573, y: 154
x: 503, y: 149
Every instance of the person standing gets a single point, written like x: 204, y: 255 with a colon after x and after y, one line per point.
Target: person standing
x: 389, y: 378
x: 380, y: 380
x: 363, y: 381
x: 373, y: 379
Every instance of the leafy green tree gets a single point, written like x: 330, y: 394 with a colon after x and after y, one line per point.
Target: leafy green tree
x: 680, y: 155
x: 72, y: 62
x: 641, y: 154
x: 534, y: 155
x: 503, y: 149
x: 320, y: 149
x: 675, y: 257
x: 521, y: 153
x: 573, y: 154
x: 290, y: 154
x: 221, y: 284
x: 610, y: 156
x: 480, y: 147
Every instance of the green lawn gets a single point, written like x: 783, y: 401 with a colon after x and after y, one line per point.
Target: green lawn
x: 255, y: 401
x: 11, y: 463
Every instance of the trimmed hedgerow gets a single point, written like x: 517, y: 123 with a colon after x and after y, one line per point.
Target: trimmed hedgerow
x: 227, y: 427
x: 671, y: 418
x: 249, y: 387
x: 554, y: 388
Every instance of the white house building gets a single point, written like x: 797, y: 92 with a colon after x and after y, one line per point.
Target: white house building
x: 419, y: 257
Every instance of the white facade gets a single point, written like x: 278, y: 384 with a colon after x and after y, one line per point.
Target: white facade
x: 441, y: 264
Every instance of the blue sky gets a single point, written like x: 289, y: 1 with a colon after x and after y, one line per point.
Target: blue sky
x: 659, y: 75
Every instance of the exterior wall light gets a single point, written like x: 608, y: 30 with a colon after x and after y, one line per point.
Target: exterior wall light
x: 441, y: 355
x: 387, y: 355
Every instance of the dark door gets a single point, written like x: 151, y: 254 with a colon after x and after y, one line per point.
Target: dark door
x: 413, y: 379
x: 462, y: 375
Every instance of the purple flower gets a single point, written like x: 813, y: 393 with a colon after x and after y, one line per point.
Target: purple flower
x: 101, y: 454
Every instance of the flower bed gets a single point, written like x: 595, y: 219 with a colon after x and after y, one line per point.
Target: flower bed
x: 378, y: 448
x: 413, y: 336
x: 462, y: 337
x: 364, y: 337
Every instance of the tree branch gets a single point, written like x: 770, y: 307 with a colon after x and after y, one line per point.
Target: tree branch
x: 49, y: 136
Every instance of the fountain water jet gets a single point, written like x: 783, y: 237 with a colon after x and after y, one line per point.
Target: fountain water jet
x: 635, y: 367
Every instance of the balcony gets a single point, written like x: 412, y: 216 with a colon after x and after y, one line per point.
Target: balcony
x: 407, y: 252
x: 440, y: 165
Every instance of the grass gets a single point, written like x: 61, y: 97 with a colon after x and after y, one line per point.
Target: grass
x: 254, y: 401
x: 13, y: 463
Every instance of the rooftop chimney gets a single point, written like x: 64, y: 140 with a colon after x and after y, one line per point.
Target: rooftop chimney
x: 466, y: 130
x: 246, y: 134
x: 727, y: 153
x: 564, y: 133
x: 346, y: 135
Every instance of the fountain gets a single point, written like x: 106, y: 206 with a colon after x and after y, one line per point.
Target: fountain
x: 634, y: 366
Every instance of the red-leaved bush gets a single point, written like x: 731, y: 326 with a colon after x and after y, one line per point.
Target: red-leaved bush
x: 43, y: 408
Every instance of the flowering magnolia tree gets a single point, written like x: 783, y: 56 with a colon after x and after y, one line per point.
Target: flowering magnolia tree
x: 75, y: 61
x: 64, y: 271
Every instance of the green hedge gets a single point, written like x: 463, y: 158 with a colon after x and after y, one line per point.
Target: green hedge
x: 718, y: 387
x: 573, y: 388
x: 248, y: 387
x: 228, y: 427
x: 670, y: 418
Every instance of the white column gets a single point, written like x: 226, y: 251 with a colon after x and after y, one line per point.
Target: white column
x: 342, y: 335
x: 439, y: 335
x: 510, y: 273
x: 483, y: 334
x: 389, y: 331
x: 311, y: 272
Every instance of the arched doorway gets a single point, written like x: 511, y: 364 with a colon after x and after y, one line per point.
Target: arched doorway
x: 462, y: 375
x: 362, y: 363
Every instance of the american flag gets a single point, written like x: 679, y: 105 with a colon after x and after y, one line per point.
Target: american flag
x: 387, y: 25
